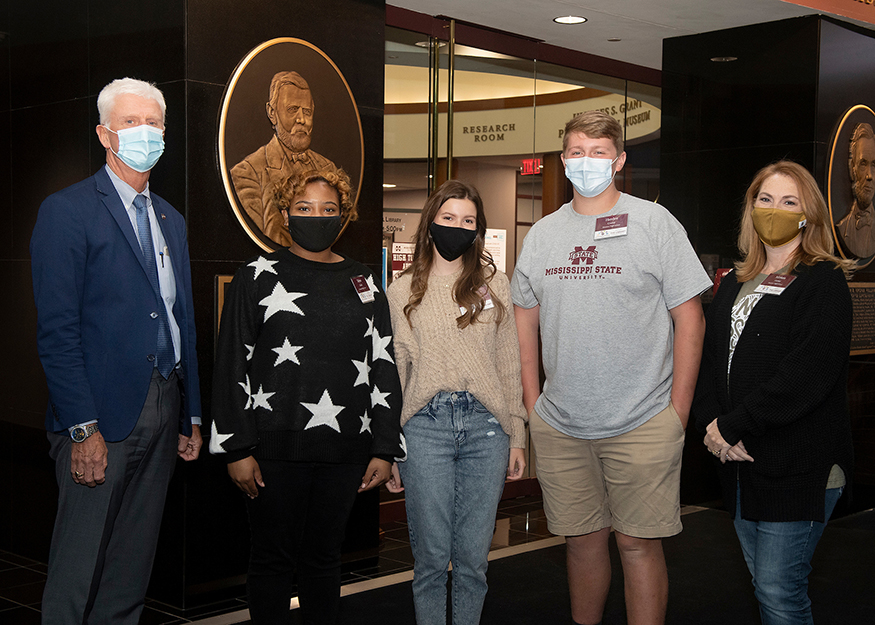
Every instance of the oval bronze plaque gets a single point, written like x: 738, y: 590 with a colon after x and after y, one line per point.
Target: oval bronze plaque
x: 850, y: 185
x: 286, y: 109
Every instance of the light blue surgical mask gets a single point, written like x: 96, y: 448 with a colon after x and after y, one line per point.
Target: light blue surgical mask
x: 589, y: 176
x: 139, y: 148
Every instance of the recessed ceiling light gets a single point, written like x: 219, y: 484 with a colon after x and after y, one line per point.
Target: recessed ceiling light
x: 569, y: 19
x: 388, y: 185
x: 614, y: 39
x: 425, y: 44
x: 724, y: 59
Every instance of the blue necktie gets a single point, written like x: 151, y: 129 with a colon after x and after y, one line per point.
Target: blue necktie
x: 166, y: 359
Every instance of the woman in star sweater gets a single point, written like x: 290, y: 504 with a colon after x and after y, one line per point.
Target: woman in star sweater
x: 464, y: 422
x: 771, y: 397
x: 306, y: 399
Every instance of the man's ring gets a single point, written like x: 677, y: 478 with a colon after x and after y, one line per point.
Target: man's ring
x: 77, y: 474
x: 716, y: 453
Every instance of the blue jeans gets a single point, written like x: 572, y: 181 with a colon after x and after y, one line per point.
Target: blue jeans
x: 453, y: 478
x: 778, y: 555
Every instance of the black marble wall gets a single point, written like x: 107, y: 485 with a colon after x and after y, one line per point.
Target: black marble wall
x: 722, y: 121
x: 55, y: 56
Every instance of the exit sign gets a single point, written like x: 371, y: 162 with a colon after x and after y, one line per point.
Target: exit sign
x: 531, y: 166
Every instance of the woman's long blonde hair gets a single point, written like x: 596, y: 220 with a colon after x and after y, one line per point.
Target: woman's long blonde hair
x: 477, y: 265
x: 817, y: 242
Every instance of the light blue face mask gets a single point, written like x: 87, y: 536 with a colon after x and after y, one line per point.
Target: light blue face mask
x: 589, y: 176
x: 140, y: 147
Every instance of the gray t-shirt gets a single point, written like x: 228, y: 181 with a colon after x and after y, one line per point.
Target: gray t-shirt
x: 606, y: 330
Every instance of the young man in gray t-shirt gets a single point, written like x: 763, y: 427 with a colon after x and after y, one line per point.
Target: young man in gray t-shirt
x: 613, y: 283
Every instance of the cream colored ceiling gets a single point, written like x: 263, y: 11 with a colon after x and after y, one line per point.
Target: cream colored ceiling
x: 641, y: 25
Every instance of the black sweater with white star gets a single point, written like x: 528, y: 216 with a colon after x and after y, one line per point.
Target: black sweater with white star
x: 304, y: 369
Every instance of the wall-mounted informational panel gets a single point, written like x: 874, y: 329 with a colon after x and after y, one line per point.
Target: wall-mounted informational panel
x: 287, y: 109
x: 863, y: 334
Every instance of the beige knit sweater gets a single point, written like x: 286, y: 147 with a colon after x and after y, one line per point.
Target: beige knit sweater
x: 435, y: 355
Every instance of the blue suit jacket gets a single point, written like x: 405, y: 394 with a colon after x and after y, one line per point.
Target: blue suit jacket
x: 95, y: 333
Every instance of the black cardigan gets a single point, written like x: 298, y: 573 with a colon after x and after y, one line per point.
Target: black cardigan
x: 787, y: 393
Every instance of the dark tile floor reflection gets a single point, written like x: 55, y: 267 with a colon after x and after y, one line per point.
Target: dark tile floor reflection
x: 519, y: 521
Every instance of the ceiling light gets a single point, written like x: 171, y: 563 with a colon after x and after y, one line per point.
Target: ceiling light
x: 614, y: 39
x: 724, y: 59
x: 426, y: 44
x: 388, y: 185
x: 569, y: 19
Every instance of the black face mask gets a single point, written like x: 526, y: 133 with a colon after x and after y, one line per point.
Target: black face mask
x: 451, y: 242
x: 314, y: 234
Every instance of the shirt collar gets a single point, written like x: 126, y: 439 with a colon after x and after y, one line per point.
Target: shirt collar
x: 126, y: 192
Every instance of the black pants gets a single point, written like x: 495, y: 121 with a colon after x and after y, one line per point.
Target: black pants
x: 298, y: 522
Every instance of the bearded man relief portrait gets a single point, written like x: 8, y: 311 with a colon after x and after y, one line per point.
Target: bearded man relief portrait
x: 287, y: 110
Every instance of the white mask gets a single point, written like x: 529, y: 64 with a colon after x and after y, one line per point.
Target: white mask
x: 589, y: 176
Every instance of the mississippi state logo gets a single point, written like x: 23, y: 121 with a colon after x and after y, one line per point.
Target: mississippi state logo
x: 587, y: 255
x: 582, y: 266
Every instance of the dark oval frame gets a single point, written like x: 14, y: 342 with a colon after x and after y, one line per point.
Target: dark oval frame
x: 244, y: 127
x: 838, y: 185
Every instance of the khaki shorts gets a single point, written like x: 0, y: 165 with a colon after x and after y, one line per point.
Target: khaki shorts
x: 630, y: 482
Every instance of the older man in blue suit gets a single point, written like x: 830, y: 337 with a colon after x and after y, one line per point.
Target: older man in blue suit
x: 116, y: 339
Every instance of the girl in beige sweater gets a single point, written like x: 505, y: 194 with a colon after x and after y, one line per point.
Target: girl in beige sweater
x: 458, y: 357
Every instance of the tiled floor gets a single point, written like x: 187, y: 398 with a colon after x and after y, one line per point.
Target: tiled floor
x: 519, y: 521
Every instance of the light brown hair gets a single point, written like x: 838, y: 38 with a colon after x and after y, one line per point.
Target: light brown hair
x: 816, y: 244
x: 477, y: 265
x: 595, y: 125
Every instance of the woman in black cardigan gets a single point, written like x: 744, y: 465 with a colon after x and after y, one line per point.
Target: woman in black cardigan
x: 771, y: 396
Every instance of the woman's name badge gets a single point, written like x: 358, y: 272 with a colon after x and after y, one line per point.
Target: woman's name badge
x: 487, y: 299
x: 774, y: 284
x: 363, y: 289
x: 611, y: 226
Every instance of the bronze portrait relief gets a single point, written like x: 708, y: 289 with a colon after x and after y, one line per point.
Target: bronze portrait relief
x: 286, y: 110
x: 851, y: 185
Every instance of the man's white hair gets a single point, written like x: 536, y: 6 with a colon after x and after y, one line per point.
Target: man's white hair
x: 119, y: 86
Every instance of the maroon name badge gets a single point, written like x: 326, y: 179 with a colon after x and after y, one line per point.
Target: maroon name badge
x: 363, y: 289
x: 611, y: 226
x: 775, y: 284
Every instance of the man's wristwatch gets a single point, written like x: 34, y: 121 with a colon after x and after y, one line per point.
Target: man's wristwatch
x: 81, y: 432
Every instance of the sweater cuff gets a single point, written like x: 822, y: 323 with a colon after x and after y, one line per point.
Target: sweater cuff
x: 518, y: 435
x: 729, y: 433
x: 240, y: 454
